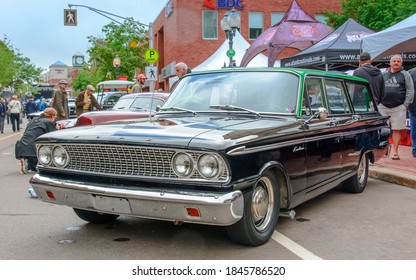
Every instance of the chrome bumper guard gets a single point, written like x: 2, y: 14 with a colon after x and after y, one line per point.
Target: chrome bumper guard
x: 215, y: 209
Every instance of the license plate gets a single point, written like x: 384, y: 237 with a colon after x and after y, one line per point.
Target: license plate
x: 112, y: 204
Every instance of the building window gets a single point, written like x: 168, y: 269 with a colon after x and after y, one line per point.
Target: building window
x: 210, y: 25
x: 321, y: 18
x: 276, y: 17
x: 255, y: 25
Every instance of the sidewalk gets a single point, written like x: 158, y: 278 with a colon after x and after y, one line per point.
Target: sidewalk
x: 401, y: 172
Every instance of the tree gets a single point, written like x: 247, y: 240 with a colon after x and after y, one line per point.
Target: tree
x: 7, y: 65
x: 15, y: 69
x: 129, y: 41
x: 374, y: 14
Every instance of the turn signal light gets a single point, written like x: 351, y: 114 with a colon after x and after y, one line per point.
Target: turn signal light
x: 193, y: 212
x: 50, y: 194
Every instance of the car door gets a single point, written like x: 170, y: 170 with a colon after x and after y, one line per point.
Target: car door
x: 322, y: 137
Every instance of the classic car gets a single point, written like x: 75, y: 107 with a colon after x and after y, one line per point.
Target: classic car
x: 129, y: 106
x: 108, y: 92
x: 235, y: 147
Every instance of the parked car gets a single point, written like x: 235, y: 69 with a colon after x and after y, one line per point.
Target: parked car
x: 235, y: 147
x: 129, y: 106
x: 108, y: 92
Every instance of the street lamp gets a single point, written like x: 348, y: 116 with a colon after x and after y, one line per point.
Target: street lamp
x: 230, y: 23
x: 116, y: 64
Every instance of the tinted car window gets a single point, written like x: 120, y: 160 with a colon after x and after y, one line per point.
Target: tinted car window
x: 360, y: 97
x: 138, y: 103
x: 337, y: 99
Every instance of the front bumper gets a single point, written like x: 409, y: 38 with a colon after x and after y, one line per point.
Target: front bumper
x: 214, y: 208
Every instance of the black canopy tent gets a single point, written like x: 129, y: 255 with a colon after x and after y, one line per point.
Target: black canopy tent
x: 340, y: 50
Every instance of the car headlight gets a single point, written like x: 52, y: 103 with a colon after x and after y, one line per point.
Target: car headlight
x: 182, y: 164
x: 60, y: 157
x: 208, y: 166
x: 44, y: 155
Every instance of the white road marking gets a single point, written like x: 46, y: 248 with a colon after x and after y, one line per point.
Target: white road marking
x: 294, y: 247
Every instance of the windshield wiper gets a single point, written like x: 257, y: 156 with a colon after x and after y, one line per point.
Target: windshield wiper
x: 234, y: 108
x: 179, y: 109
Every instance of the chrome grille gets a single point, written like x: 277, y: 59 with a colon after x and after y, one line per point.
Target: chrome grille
x: 128, y: 161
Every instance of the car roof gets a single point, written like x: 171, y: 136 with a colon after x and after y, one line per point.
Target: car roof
x: 298, y: 71
x: 163, y: 95
x: 114, y: 84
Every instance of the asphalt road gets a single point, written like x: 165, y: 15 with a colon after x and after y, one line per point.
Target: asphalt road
x: 378, y: 224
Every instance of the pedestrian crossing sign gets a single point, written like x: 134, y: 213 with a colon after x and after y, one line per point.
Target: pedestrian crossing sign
x: 70, y: 17
x: 151, y: 73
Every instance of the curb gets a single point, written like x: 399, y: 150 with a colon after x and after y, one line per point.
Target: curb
x: 392, y: 177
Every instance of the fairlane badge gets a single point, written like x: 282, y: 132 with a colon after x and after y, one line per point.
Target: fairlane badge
x: 298, y: 148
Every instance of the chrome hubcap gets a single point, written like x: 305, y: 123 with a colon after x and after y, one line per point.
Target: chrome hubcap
x: 262, y: 204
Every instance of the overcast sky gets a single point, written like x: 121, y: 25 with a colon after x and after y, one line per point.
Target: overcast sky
x: 36, y: 27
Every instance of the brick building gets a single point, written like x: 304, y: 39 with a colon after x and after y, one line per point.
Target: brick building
x: 190, y: 31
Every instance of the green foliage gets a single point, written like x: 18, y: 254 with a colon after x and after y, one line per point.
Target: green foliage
x: 118, y: 40
x: 86, y: 76
x: 374, y: 14
x: 15, y: 69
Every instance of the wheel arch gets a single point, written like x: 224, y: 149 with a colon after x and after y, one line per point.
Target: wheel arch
x: 282, y: 179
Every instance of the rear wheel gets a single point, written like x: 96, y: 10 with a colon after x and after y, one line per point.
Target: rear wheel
x: 95, y: 217
x: 261, y: 212
x: 358, y: 182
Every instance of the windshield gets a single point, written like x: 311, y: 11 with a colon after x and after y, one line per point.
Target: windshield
x: 268, y: 92
x: 138, y: 104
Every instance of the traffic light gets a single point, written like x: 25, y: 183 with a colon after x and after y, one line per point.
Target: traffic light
x: 70, y: 17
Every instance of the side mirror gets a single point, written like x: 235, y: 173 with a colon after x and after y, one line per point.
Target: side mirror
x: 322, y: 113
x: 158, y: 108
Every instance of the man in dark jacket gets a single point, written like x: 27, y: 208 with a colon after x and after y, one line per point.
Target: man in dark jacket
x: 412, y: 114
x: 372, y: 74
x: 26, y: 149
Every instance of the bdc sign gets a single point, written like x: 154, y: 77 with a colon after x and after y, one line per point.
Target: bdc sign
x: 225, y: 4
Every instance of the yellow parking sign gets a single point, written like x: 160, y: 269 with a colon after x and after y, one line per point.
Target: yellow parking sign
x: 151, y: 55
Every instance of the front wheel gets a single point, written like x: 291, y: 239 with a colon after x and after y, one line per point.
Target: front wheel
x: 358, y: 182
x: 95, y: 217
x: 261, y: 212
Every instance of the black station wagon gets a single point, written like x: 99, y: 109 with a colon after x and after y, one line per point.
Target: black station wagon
x: 234, y: 147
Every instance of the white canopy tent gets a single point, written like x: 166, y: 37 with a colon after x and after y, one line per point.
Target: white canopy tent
x: 399, y: 38
x: 219, y: 57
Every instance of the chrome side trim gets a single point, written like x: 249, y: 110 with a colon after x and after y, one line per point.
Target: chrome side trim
x: 242, y: 150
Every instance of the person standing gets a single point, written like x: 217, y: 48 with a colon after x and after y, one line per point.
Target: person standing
x: 399, y: 93
x: 86, y: 101
x: 26, y: 146
x: 181, y: 70
x: 43, y: 105
x: 15, y: 108
x: 138, y: 87
x: 31, y: 107
x: 372, y: 74
x: 3, y: 112
x: 60, y: 101
x: 412, y: 114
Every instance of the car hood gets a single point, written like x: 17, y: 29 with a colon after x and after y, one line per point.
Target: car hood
x: 199, y: 132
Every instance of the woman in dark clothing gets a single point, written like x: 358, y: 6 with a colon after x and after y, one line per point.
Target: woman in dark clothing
x: 35, y: 128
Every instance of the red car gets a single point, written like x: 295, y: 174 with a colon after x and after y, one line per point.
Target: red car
x: 129, y: 106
